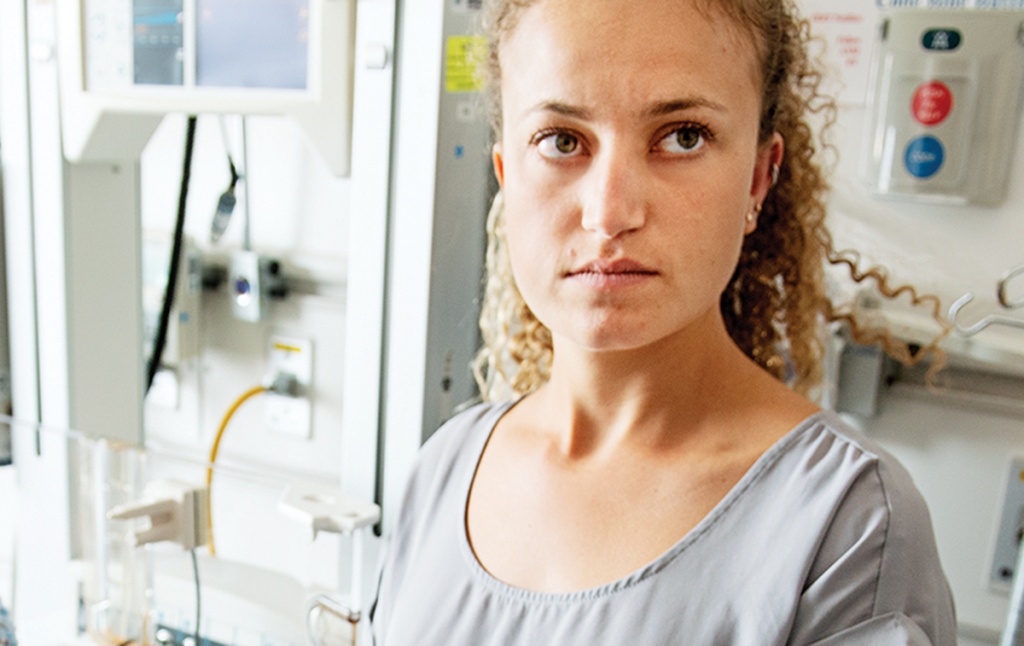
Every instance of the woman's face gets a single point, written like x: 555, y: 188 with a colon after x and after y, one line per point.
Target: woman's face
x: 629, y: 160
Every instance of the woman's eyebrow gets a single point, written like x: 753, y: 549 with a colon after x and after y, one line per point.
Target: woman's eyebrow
x: 679, y: 105
x: 564, y: 109
x: 658, y: 109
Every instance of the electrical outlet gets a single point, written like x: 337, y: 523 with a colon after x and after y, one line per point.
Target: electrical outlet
x: 1011, y: 528
x: 291, y: 412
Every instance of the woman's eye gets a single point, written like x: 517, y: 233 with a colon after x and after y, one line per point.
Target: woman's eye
x: 558, y: 144
x: 688, y: 139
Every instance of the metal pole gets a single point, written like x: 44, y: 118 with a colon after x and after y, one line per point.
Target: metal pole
x: 1013, y: 633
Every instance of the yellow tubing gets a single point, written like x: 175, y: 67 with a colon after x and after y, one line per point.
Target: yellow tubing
x: 252, y: 392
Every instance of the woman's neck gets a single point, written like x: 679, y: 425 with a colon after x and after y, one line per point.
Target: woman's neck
x: 654, y: 396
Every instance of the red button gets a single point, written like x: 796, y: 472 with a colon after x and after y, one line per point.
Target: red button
x: 932, y: 103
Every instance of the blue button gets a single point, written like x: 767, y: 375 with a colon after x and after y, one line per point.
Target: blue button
x: 924, y: 156
x: 242, y: 286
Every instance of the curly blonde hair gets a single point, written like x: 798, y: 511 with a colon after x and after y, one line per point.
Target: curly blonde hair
x: 776, y: 301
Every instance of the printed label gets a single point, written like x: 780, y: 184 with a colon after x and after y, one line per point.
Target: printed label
x: 848, y: 29
x: 465, y: 57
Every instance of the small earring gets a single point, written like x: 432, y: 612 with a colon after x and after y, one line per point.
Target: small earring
x: 754, y: 212
x: 775, y: 174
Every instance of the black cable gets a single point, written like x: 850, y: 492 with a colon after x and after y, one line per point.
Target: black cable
x: 195, y: 574
x: 231, y: 161
x: 234, y: 173
x: 172, y: 272
x: 226, y: 202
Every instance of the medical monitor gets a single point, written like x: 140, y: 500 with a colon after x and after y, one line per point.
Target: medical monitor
x: 132, y: 59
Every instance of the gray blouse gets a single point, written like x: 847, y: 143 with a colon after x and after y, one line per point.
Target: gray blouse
x: 825, y: 540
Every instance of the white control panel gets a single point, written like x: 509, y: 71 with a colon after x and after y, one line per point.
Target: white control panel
x: 945, y: 104
x: 124, y: 64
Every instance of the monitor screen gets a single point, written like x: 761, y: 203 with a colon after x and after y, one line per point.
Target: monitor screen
x: 157, y: 42
x: 252, y: 43
x: 202, y: 43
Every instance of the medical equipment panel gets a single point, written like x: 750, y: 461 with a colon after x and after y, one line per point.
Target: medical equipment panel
x: 945, y: 101
x: 125, y: 63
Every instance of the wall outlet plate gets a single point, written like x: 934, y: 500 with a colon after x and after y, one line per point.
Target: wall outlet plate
x: 1011, y: 528
x: 253, y: 279
x: 291, y: 413
x: 246, y: 286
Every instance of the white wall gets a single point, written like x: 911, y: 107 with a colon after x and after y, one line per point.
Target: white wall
x: 300, y: 214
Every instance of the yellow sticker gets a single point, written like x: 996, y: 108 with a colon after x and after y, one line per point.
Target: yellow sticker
x: 465, y: 57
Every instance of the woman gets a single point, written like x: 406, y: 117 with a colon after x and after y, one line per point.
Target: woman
x: 651, y: 480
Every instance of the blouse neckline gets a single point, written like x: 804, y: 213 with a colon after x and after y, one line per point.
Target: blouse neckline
x: 474, y: 451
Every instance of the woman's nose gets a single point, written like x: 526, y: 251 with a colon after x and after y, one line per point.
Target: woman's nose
x: 614, y: 201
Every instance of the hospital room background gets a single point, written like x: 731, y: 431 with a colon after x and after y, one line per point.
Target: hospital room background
x: 330, y: 199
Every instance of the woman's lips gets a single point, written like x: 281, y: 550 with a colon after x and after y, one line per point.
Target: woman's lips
x: 607, y: 274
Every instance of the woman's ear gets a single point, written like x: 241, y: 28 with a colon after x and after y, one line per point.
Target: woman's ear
x: 766, y: 174
x: 766, y: 171
x: 499, y: 164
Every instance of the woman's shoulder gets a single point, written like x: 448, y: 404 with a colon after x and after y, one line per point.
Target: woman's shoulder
x: 857, y: 482
x: 884, y: 481
x: 444, y: 466
x: 827, y: 438
x: 877, y: 554
x: 457, y: 443
x: 863, y: 472
x: 474, y: 422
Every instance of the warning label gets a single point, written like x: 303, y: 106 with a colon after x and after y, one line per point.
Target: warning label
x: 465, y: 57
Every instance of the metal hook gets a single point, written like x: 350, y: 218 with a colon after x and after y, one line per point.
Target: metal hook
x: 991, y: 319
x: 1003, y: 291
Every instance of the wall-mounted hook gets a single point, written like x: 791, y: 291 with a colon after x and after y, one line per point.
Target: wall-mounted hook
x: 1003, y: 290
x: 991, y: 319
